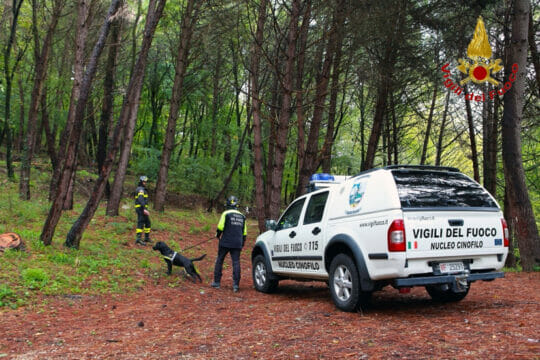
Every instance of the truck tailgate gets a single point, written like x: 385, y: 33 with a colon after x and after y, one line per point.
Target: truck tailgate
x: 453, y: 234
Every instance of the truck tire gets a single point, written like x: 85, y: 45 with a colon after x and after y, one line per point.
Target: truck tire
x: 263, y: 278
x: 344, y: 283
x: 440, y: 294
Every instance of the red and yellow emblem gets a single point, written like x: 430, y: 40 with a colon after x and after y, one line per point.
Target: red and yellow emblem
x: 479, y: 51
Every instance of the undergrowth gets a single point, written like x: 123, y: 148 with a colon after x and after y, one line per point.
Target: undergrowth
x: 105, y: 263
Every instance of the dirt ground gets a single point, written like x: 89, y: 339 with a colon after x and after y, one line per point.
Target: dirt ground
x: 497, y: 320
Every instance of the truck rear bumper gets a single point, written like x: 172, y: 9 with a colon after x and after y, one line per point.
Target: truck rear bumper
x: 447, y: 279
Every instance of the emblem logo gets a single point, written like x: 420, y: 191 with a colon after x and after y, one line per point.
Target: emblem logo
x: 479, y: 51
x: 357, y: 193
x: 479, y: 68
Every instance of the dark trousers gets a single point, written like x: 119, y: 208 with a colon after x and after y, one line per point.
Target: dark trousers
x: 143, y: 222
x: 235, y: 256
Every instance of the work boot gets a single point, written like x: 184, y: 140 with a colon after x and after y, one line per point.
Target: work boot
x: 215, y: 285
x: 139, y: 241
x: 236, y: 288
x: 147, y: 238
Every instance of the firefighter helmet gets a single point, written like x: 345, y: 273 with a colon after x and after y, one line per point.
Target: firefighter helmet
x: 232, y: 202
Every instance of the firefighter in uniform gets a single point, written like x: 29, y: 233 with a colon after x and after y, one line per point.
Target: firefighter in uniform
x: 143, y: 218
x: 231, y: 232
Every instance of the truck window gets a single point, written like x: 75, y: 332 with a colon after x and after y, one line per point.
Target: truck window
x: 315, y: 208
x: 431, y: 189
x: 290, y: 218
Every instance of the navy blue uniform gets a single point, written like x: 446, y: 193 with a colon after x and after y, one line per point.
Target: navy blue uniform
x: 233, y: 230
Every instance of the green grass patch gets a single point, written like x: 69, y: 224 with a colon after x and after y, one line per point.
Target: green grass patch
x: 105, y: 263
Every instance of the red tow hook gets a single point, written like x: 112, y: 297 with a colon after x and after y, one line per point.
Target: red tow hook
x: 404, y: 290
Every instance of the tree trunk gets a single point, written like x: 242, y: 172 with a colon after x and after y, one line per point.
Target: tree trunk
x: 522, y: 214
x: 428, y: 128
x: 394, y: 130
x: 49, y: 135
x: 489, y: 145
x: 472, y: 138
x: 8, y: 74
x: 511, y: 260
x: 73, y: 139
x: 441, y: 131
x: 106, y: 117
x: 40, y: 73
x: 20, y: 134
x: 326, y: 151
x: 535, y: 58
x: 215, y: 102
x: 78, y: 70
x: 276, y: 175
x: 156, y: 99
x: 378, y: 118
x: 300, y: 113
x: 256, y: 113
x: 231, y: 172
x: 128, y: 113
x: 188, y: 23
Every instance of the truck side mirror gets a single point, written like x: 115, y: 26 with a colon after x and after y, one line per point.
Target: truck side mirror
x: 270, y: 225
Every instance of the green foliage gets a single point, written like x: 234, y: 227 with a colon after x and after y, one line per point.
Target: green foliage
x: 145, y: 161
x: 187, y: 175
x: 35, y: 278
x: 7, y: 295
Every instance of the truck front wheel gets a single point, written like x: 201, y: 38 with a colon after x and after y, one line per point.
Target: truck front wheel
x: 344, y: 284
x: 263, y: 276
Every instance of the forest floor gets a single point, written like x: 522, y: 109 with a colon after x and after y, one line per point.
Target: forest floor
x: 497, y: 320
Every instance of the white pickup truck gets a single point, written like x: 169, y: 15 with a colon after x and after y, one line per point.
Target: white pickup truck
x: 402, y: 226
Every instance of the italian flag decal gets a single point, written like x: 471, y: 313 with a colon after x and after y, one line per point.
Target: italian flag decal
x: 412, y: 245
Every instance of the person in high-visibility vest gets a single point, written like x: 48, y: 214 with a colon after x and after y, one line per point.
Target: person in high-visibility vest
x: 231, y: 232
x: 141, y: 208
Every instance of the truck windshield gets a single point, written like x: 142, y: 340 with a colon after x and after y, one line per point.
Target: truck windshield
x: 428, y: 189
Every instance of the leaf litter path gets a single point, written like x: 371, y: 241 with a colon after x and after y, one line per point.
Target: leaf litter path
x: 497, y: 320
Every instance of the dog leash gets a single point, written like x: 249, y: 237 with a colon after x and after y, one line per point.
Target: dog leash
x: 197, y: 244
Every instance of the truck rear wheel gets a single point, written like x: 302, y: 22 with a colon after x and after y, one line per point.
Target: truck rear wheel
x: 344, y: 283
x: 444, y: 293
x: 263, y: 276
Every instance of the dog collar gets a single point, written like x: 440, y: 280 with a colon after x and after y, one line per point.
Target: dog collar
x: 172, y: 257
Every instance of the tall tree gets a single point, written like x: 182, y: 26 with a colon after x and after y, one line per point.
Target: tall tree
x: 428, y: 127
x: 256, y: 114
x: 311, y: 159
x: 128, y: 113
x: 107, y: 108
x: 300, y: 106
x: 393, y: 28
x: 472, y: 138
x: 189, y: 20
x: 40, y: 73
x: 9, y: 72
x: 522, y: 216
x: 326, y: 151
x: 83, y: 12
x: 72, y: 141
x: 284, y: 116
x: 441, y: 130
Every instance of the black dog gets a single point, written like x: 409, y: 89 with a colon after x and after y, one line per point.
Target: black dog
x: 173, y: 258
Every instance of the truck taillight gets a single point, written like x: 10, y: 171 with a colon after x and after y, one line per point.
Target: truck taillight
x: 506, y: 234
x: 396, y: 236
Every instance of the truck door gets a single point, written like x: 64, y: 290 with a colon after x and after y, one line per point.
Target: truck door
x: 309, y: 244
x: 286, y: 233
